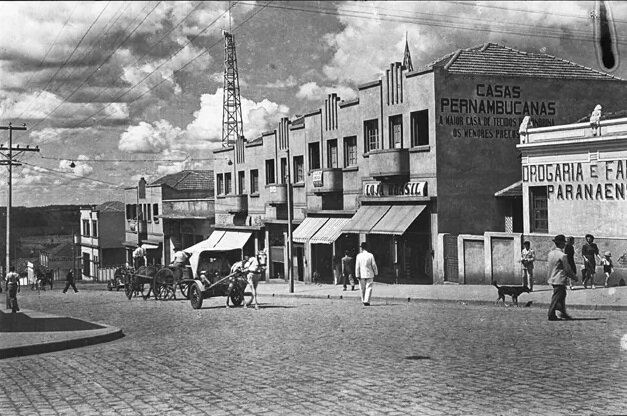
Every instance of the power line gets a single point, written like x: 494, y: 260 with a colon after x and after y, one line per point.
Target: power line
x: 98, y: 68
x: 77, y: 177
x: 116, y: 99
x: 70, y: 56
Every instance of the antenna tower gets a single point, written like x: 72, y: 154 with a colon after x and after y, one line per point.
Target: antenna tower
x: 232, y: 128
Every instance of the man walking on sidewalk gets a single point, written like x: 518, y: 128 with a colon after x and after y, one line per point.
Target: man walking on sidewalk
x: 69, y: 281
x: 365, y: 270
x: 559, y: 272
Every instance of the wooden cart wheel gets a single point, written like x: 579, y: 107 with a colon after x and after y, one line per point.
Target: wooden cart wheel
x: 128, y: 287
x: 195, y: 296
x: 184, y: 287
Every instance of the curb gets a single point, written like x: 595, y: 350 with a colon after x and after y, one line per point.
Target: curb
x: 459, y: 301
x: 31, y: 349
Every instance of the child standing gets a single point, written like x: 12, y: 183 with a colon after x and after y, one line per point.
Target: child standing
x: 608, y: 267
x: 527, y: 258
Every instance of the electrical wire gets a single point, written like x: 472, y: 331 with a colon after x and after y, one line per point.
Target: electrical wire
x: 98, y: 68
x: 75, y: 176
x: 69, y: 56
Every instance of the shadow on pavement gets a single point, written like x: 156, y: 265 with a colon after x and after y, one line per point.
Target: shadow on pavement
x: 18, y: 322
x: 417, y: 357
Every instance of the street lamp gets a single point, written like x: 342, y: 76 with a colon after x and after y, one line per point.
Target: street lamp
x: 290, y: 246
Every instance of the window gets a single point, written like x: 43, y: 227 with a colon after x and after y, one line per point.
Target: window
x: 86, y: 265
x: 94, y: 228
x: 220, y: 182
x: 155, y: 212
x: 299, y: 169
x: 148, y: 212
x: 350, y: 151
x: 86, y: 228
x: 332, y: 153
x: 419, y: 128
x: 371, y: 135
x: 396, y: 132
x: 539, y: 209
x: 270, y: 171
x: 314, y: 156
x: 227, y: 183
x: 283, y: 177
x: 254, y: 181
x: 241, y: 182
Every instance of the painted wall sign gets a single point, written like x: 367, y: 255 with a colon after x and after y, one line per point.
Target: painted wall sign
x: 494, y: 111
x: 395, y: 189
x: 316, y: 177
x: 598, y: 180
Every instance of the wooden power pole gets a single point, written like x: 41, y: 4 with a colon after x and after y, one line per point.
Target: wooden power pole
x: 10, y: 162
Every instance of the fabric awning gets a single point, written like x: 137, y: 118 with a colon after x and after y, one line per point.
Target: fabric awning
x: 365, y: 218
x: 150, y: 246
x: 232, y: 240
x: 512, y: 191
x: 397, y: 219
x: 207, y: 244
x: 330, y: 231
x: 308, y: 228
x: 128, y: 243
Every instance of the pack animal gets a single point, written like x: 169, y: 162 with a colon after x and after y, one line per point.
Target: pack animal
x: 513, y: 291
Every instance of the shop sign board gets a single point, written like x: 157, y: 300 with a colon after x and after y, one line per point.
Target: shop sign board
x: 316, y: 177
x: 380, y: 189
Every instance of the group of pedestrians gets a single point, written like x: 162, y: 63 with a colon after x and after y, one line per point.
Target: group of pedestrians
x: 361, y: 270
x: 589, y: 254
x: 12, y: 287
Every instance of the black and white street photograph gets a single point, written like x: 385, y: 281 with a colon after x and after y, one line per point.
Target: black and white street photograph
x: 313, y: 208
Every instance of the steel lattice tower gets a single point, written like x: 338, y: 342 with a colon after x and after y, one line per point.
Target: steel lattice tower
x: 231, y: 105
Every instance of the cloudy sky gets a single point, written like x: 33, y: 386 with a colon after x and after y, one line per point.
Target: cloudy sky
x: 125, y: 89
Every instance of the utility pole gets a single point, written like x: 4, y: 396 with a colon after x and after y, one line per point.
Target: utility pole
x: 290, y: 244
x: 10, y: 162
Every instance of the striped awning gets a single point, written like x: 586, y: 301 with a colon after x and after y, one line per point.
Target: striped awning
x: 308, y: 228
x: 397, y: 219
x: 330, y: 231
x: 365, y: 218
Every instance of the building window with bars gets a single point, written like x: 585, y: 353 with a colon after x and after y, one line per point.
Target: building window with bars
x: 396, y: 132
x: 299, y: 169
x: 241, y: 182
x: 220, y: 184
x: 419, y: 121
x: 332, y: 154
x: 371, y: 135
x: 254, y: 181
x: 314, y: 156
x: 270, y: 176
x: 283, y: 178
x: 227, y: 183
x: 350, y: 151
x: 539, y: 220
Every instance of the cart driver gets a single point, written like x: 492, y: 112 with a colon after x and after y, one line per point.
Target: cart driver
x: 139, y: 257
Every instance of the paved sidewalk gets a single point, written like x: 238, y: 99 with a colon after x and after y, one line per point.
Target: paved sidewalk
x: 614, y: 298
x: 31, y: 332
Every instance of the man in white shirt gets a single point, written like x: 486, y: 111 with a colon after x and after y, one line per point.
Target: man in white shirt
x: 139, y: 257
x: 365, y: 270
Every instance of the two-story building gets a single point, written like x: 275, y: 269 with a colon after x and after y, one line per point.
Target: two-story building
x: 173, y: 212
x: 417, y: 155
x: 101, y: 236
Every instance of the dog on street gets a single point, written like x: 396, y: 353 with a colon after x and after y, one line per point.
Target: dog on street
x: 513, y: 291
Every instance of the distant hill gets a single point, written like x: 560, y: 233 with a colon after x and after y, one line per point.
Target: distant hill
x: 32, y: 226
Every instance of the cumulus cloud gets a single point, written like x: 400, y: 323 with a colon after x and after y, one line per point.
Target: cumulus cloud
x: 366, y: 46
x: 257, y: 117
x: 149, y: 137
x: 81, y: 168
x: 282, y: 83
x: 313, y: 92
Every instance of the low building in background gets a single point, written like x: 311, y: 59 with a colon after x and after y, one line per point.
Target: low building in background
x: 173, y: 212
x: 100, y: 241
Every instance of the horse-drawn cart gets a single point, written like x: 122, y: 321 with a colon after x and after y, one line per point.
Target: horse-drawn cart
x: 161, y: 281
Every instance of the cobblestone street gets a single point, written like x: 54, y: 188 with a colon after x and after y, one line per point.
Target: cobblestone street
x: 320, y: 356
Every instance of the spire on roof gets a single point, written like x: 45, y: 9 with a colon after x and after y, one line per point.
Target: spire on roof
x: 407, y: 58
